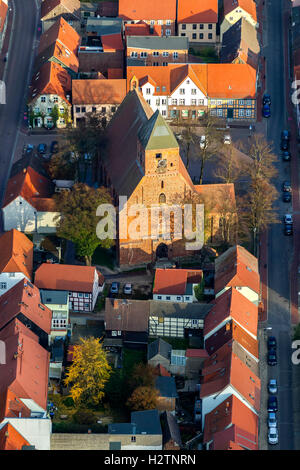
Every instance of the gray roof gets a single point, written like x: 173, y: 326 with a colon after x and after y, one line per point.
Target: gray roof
x: 170, y: 43
x: 58, y: 297
x: 166, y: 387
x: 242, y: 32
x: 170, y: 428
x: 195, y: 310
x: 156, y: 134
x: 142, y: 422
x: 159, y: 346
x: 104, y: 26
x: 126, y: 315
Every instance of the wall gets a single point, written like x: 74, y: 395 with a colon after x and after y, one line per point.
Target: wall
x: 36, y: 431
x: 189, y: 31
x: 19, y: 214
x: 44, y: 108
x: 100, y: 61
x: 173, y: 298
x: 110, y: 109
x: 151, y: 59
x: 234, y: 16
x: 11, y: 281
x: 46, y: 222
x: 101, y: 442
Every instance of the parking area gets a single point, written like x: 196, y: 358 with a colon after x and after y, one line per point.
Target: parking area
x: 34, y: 139
x: 127, y: 290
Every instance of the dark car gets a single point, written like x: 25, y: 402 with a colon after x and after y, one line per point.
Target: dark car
x: 272, y: 343
x: 285, y: 140
x: 286, y: 156
x: 272, y: 357
x: 266, y: 111
x: 285, y: 135
x: 288, y: 229
x: 286, y: 197
x: 42, y: 148
x: 54, y: 147
x: 286, y: 187
x: 266, y: 99
x: 272, y: 404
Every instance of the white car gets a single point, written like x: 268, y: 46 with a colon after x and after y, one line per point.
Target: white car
x: 272, y: 386
x: 273, y: 436
x: 203, y: 142
x: 288, y: 219
x: 272, y: 420
x: 227, y: 139
x: 127, y: 289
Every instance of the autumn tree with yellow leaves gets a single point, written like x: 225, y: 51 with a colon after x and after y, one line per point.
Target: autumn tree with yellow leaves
x: 88, y: 373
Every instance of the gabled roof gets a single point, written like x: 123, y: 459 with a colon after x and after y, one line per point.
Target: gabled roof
x: 65, y: 277
x: 36, y: 162
x: 249, y: 6
x: 158, y: 43
x: 234, y: 438
x: 193, y: 11
x: 240, y: 42
x: 141, y: 29
x: 51, y: 79
x: 11, y: 439
x: 229, y: 370
x: 237, y: 268
x: 11, y: 406
x: 98, y: 91
x: 16, y: 253
x: 157, y: 134
x: 170, y: 429
x: 231, y: 81
x: 112, y: 43
x: 65, y: 36
x: 70, y: 6
x: 161, y: 347
x: 161, y: 370
x: 143, y: 10
x: 232, y: 305
x: 174, y: 281
x: 126, y: 315
x: 104, y: 26
x: 27, y: 364
x: 231, y: 412
x: 24, y: 298
x: 166, y: 387
x: 29, y: 185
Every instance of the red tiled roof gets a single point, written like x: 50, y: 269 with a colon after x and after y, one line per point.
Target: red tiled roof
x: 231, y: 412
x: 28, y: 184
x: 16, y: 253
x: 98, y: 91
x: 27, y: 364
x: 141, y: 29
x: 174, y: 281
x: 193, y: 11
x: 11, y: 406
x: 11, y: 439
x: 216, y: 194
x: 66, y: 277
x: 115, y: 73
x: 248, y: 6
x: 3, y: 13
x: 71, y: 7
x: 234, y: 438
x: 237, y: 268
x: 25, y: 299
x: 145, y: 10
x: 232, y: 304
x: 231, y: 81
x: 162, y: 371
x: 196, y: 353
x: 51, y: 79
x: 112, y: 43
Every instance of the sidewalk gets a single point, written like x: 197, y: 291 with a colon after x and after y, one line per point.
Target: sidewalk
x: 5, y: 43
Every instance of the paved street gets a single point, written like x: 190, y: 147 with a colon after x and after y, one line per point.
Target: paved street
x: 16, y: 77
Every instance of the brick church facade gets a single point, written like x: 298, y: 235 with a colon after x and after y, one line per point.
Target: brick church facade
x: 143, y: 163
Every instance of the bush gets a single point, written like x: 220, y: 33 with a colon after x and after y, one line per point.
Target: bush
x: 84, y: 417
x: 68, y: 402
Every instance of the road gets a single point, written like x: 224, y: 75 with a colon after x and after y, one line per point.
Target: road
x: 16, y: 78
x: 280, y: 247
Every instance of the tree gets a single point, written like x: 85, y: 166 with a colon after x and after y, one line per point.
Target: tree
x: 143, y: 375
x: 88, y: 373
x: 229, y: 168
x: 77, y: 221
x: 61, y: 167
x: 55, y: 115
x: 143, y: 398
x: 262, y: 158
x: 188, y: 139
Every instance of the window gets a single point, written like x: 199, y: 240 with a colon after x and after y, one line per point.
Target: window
x: 152, y: 22
x: 159, y: 297
x: 3, y: 285
x: 184, y: 26
x: 194, y: 102
x: 157, y: 102
x: 155, y: 64
x: 241, y: 102
x: 49, y: 110
x: 165, y: 54
x: 200, y: 102
x: 61, y: 110
x: 174, y: 102
x: 163, y: 101
x: 158, y: 155
x: 83, y: 109
x: 12, y: 274
x: 155, y: 54
x: 201, y: 26
x: 144, y: 54
x: 212, y: 101
x: 162, y: 200
x: 195, y: 322
x: 86, y: 296
x: 164, y: 88
x: 164, y: 112
x: 248, y: 102
x: 201, y: 35
x: 219, y: 102
x: 182, y: 34
x: 77, y: 109
x: 157, y: 88
x: 209, y: 36
x: 175, y: 55
x: 165, y: 64
x: 168, y: 22
x: 86, y: 305
x: 210, y: 26
x: 230, y: 102
x: 94, y: 109
x: 241, y: 113
x: 160, y: 22
x: 149, y: 101
x: 162, y: 185
x: 220, y: 112
x: 134, y: 54
x: 103, y: 109
x: 194, y: 91
x: 43, y: 99
x: 37, y: 109
x: 178, y: 298
x: 148, y: 91
x: 113, y: 109
x: 182, y: 91
x: 182, y: 102
x: 194, y: 36
x: 248, y: 112
x: 80, y: 295
x: 168, y: 32
x: 55, y: 99
x: 194, y: 26
x: 168, y: 297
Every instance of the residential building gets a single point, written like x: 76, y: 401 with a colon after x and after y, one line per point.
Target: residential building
x: 142, y: 162
x: 89, y: 9
x: 176, y: 285
x: 11, y: 439
x: 141, y: 29
x: 171, y: 432
x: 177, y: 319
x: 97, y: 96
x: 194, y: 362
x: 127, y: 320
x: 153, y: 13
x: 231, y: 425
x: 3, y: 20
x: 16, y: 259
x: 52, y: 10
x: 83, y: 283
x: 108, y: 9
x: 159, y: 353
x: 156, y: 50
x: 239, y: 269
x: 234, y: 10
x: 240, y: 44
x: 28, y: 204
x: 167, y: 394
x: 198, y: 20
x: 58, y: 302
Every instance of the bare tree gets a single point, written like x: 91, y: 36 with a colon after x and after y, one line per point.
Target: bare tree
x: 188, y: 138
x: 262, y: 158
x: 229, y: 168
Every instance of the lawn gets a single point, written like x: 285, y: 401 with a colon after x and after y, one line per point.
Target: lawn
x: 130, y: 358
x: 176, y: 343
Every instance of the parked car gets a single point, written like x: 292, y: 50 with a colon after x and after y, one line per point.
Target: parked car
x: 114, y: 289
x: 288, y: 219
x: 28, y: 148
x: 273, y: 436
x: 286, y: 156
x: 266, y: 99
x: 127, y: 289
x: 54, y: 147
x: 272, y: 357
x: 266, y: 111
x: 227, y: 139
x: 272, y: 404
x: 286, y: 197
x: 285, y: 135
x: 286, y: 186
x: 42, y: 148
x: 272, y: 420
x: 272, y: 343
x: 288, y: 229
x: 203, y: 142
x: 272, y: 386
x: 285, y: 140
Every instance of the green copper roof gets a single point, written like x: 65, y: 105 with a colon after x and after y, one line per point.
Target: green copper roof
x: 156, y: 134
